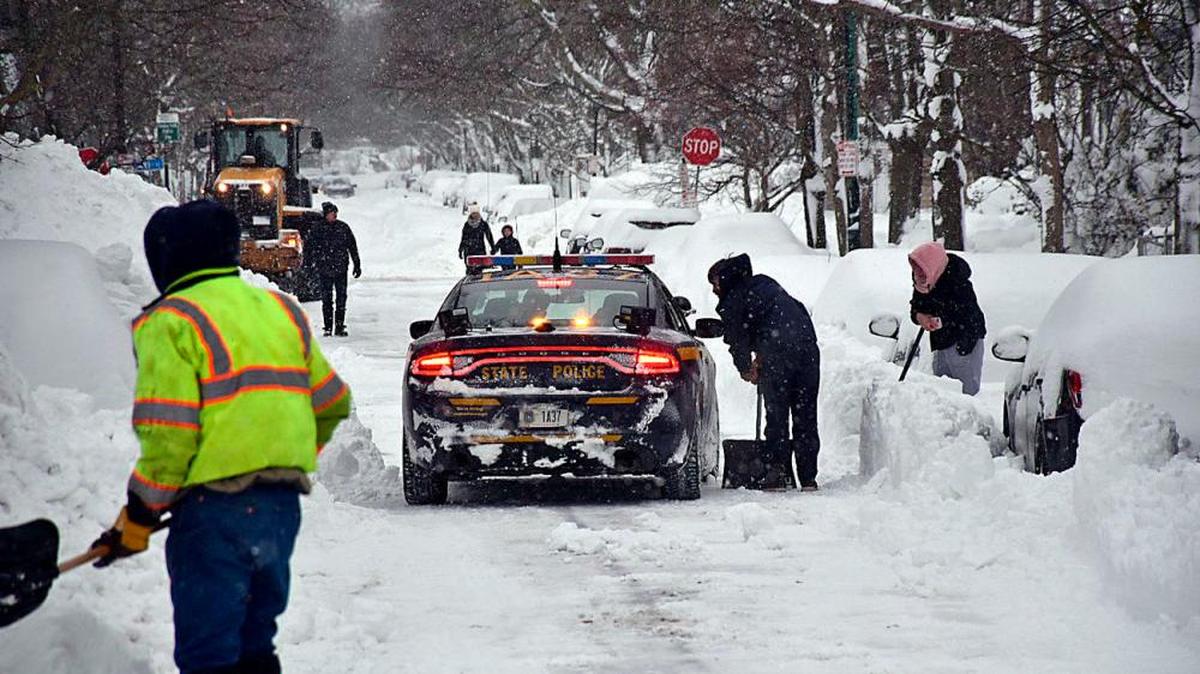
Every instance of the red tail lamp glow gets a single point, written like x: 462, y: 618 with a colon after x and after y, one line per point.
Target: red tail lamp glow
x: 656, y: 362
x: 557, y: 282
x: 433, y: 365
x: 1075, y: 388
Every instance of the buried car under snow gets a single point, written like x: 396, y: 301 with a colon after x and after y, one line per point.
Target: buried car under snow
x: 1127, y: 328
x: 584, y: 368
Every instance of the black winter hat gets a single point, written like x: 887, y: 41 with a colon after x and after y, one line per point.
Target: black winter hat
x: 328, y: 207
x: 182, y: 239
x: 730, y: 272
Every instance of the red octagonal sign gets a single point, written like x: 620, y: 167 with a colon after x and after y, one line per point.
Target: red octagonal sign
x: 701, y: 146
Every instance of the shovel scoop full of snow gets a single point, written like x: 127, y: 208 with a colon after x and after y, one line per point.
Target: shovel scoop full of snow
x: 28, y: 567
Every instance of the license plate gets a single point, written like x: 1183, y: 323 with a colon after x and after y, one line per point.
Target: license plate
x: 543, y: 416
x: 262, y: 220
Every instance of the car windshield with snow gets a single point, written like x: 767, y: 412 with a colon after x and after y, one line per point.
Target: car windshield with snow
x: 587, y: 368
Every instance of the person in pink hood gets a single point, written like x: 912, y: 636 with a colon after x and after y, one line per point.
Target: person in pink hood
x: 944, y: 303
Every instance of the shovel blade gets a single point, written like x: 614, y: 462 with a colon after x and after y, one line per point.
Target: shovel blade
x: 28, y: 567
x: 744, y: 465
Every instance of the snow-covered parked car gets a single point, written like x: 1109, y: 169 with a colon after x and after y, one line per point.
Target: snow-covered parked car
x: 1125, y: 328
x: 518, y: 200
x: 338, y: 186
x: 630, y: 230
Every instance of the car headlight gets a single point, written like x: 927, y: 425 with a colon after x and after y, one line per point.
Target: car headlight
x: 265, y: 188
x: 223, y: 188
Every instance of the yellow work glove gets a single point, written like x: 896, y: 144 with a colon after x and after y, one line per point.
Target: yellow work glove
x: 125, y: 538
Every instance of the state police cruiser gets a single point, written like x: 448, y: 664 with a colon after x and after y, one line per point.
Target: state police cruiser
x: 234, y: 401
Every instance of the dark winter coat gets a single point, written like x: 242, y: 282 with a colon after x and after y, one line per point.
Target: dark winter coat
x: 952, y: 299
x: 508, y: 245
x: 330, y: 246
x: 760, y: 317
x: 473, y: 236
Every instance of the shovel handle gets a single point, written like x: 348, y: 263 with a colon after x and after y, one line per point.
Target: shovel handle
x: 79, y: 560
x: 99, y: 551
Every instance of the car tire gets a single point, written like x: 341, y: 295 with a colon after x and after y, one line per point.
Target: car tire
x: 683, y: 481
x: 422, y: 486
x: 1039, y: 448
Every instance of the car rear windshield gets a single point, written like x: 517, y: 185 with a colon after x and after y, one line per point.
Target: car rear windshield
x: 563, y: 301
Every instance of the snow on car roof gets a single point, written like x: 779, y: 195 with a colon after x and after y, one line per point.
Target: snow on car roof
x: 1131, y: 328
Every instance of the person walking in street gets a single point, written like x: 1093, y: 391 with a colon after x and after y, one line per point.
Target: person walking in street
x: 331, y: 247
x: 233, y: 402
x: 474, y: 232
x: 507, y: 244
x: 943, y: 303
x: 774, y: 347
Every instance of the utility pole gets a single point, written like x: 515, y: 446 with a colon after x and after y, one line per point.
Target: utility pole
x: 853, y: 203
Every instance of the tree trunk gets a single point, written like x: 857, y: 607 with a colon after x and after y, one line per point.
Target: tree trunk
x: 120, y: 125
x: 1187, y: 184
x: 814, y: 200
x: 947, y: 166
x: 866, y: 210
x: 1043, y: 85
x: 827, y: 130
x: 904, y: 184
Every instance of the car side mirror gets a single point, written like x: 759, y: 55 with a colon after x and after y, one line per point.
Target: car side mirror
x: 200, y: 140
x: 1012, y: 345
x: 418, y: 329
x: 885, y: 325
x: 454, y: 322
x: 709, y: 328
x: 683, y: 304
x: 595, y: 244
x: 564, y: 233
x: 316, y: 140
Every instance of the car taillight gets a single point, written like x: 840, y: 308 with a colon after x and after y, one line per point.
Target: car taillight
x: 1075, y: 388
x: 656, y: 362
x: 433, y: 365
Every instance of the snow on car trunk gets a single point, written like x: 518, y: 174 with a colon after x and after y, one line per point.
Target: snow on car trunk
x: 1012, y: 288
x: 1131, y: 328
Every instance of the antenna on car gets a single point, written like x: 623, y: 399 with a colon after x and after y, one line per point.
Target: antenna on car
x: 557, y: 252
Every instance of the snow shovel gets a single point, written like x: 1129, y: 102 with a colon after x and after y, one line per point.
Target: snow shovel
x: 912, y: 352
x: 29, y: 565
x: 744, y: 464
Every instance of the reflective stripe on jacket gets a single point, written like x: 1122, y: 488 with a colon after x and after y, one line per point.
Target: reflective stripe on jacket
x: 230, y: 381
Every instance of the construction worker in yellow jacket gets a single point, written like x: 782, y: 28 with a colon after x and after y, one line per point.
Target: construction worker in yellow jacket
x: 234, y: 402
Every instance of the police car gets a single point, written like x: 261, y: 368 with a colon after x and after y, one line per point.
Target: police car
x: 570, y: 365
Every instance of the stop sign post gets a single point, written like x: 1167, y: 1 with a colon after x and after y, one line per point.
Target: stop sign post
x: 701, y: 146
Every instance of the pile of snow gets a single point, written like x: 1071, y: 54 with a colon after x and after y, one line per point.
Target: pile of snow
x: 1012, y: 288
x: 1131, y: 328
x: 352, y: 468
x: 67, y: 640
x: 47, y: 193
x: 57, y: 324
x: 618, y: 545
x: 999, y: 217
x: 521, y: 200
x: 636, y: 228
x: 1136, y: 502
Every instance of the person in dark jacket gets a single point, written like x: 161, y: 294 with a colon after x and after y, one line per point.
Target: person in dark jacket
x: 943, y: 302
x: 508, y: 244
x: 475, y: 231
x: 774, y: 346
x: 330, y: 246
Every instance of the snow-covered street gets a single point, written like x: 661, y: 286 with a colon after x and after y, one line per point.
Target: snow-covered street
x: 949, y: 561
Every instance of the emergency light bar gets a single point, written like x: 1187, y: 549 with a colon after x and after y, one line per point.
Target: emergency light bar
x: 570, y: 260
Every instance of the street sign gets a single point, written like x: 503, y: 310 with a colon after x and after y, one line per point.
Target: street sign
x: 701, y: 146
x: 151, y: 164
x: 126, y: 159
x: 847, y: 159
x: 167, y: 127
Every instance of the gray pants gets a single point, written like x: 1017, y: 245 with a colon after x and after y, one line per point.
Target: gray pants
x: 967, y: 369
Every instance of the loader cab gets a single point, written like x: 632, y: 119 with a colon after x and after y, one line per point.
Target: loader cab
x: 263, y: 154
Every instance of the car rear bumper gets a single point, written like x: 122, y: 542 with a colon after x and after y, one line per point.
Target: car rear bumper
x: 469, y: 437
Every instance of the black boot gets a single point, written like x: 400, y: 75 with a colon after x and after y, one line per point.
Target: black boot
x: 341, y: 331
x: 259, y: 664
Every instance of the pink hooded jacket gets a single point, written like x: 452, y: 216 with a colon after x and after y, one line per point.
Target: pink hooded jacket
x: 928, y: 261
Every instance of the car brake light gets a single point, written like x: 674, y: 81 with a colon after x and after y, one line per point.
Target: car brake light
x: 557, y: 282
x: 433, y: 365
x: 656, y: 362
x: 1075, y: 388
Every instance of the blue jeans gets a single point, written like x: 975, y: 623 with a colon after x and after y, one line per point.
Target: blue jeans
x: 227, y: 556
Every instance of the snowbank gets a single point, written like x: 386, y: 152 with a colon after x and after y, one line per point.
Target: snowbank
x: 46, y: 193
x: 352, y: 468
x: 1013, y: 289
x: 57, y: 324
x: 1136, y: 503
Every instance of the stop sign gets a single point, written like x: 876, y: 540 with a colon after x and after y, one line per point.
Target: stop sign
x: 701, y: 146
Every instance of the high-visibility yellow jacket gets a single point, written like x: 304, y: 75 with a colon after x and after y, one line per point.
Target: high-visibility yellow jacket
x: 230, y: 381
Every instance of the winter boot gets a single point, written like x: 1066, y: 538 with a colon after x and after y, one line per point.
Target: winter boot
x: 341, y: 331
x: 328, y: 332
